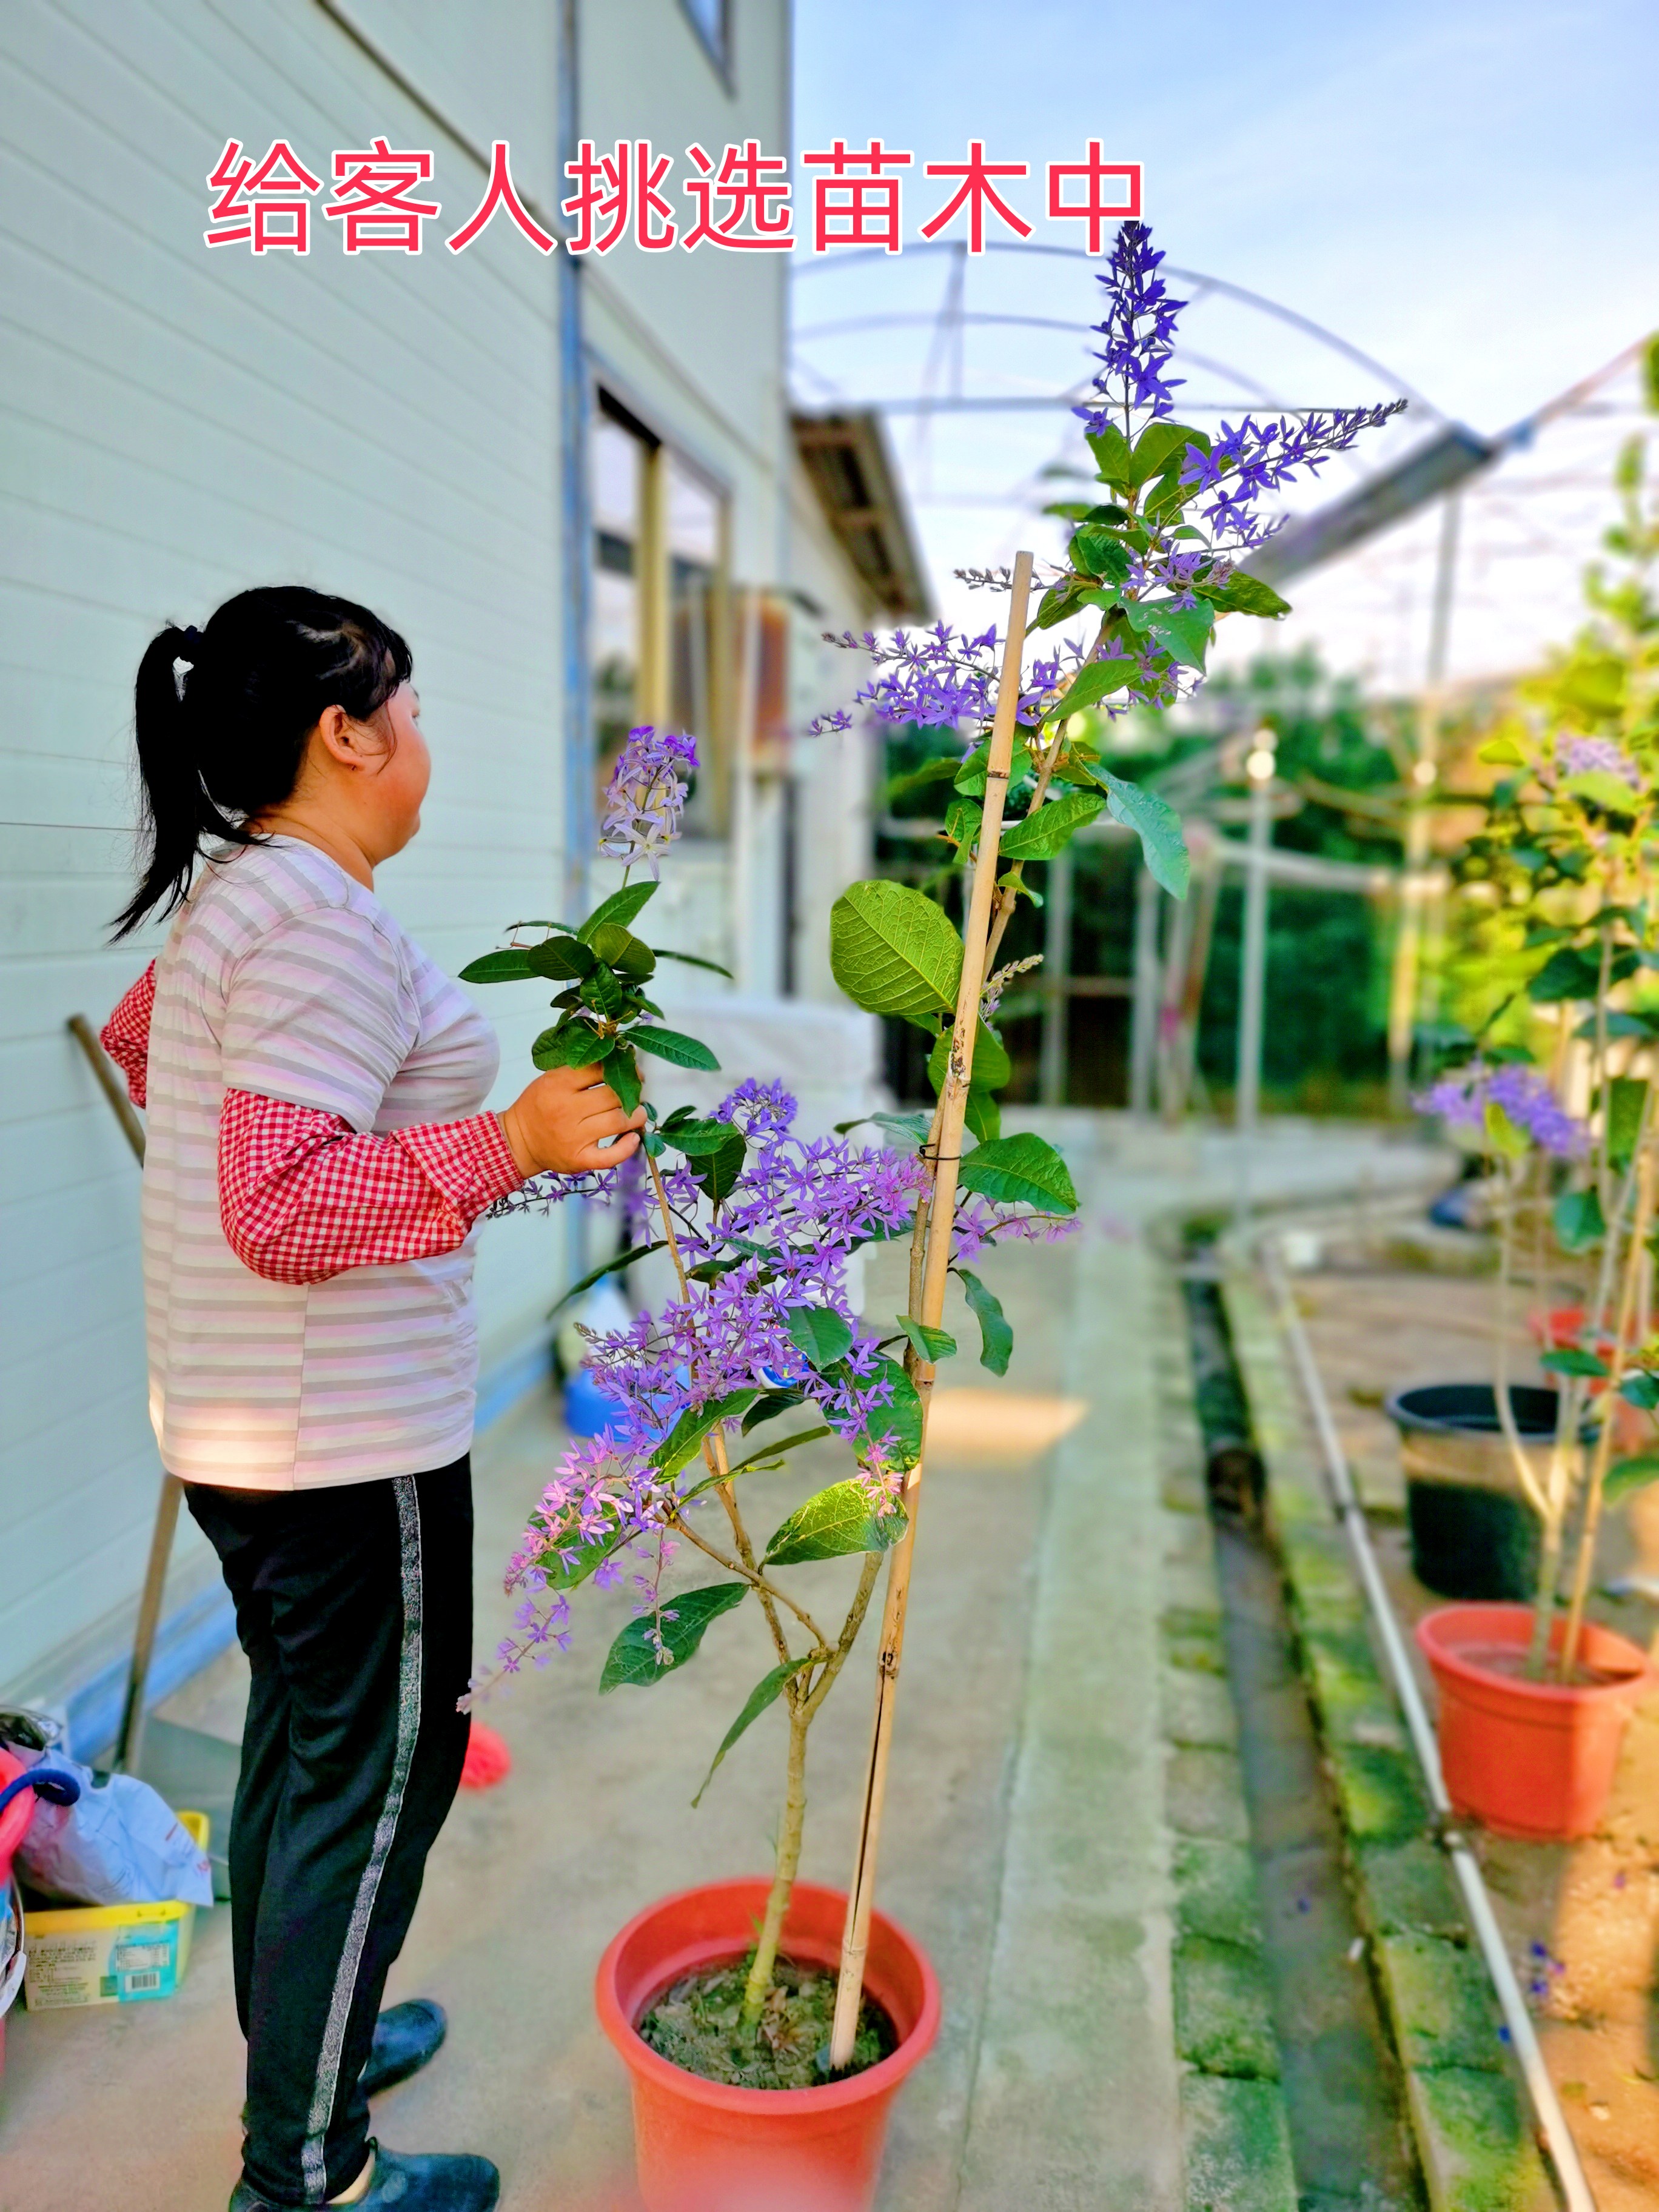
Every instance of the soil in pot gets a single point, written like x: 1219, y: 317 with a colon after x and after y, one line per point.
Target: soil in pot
x: 697, y: 2024
x: 1472, y: 1533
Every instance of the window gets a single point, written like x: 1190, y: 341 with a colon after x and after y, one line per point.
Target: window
x: 661, y: 622
x: 713, y: 19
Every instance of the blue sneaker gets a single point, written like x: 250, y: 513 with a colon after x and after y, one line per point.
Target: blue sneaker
x: 405, y: 2037
x: 452, y: 2184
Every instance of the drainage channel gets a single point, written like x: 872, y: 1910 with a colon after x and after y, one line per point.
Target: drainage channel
x: 1348, y: 2133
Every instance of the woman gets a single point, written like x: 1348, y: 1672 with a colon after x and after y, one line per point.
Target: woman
x: 317, y: 1155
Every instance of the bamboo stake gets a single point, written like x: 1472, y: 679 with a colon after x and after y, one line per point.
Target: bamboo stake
x: 947, y: 1155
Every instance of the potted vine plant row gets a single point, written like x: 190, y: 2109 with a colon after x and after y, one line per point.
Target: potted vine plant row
x: 767, y: 2023
x: 1534, y: 1698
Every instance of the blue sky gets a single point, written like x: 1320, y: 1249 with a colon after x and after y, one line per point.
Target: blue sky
x: 1469, y: 192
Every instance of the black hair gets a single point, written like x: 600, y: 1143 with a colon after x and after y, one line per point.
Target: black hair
x: 221, y: 717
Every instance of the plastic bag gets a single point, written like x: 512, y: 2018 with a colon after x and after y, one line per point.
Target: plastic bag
x: 119, y: 1845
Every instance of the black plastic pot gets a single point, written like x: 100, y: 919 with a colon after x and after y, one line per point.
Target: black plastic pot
x: 1472, y: 1533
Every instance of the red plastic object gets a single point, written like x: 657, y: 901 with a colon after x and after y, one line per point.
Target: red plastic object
x: 488, y: 1760
x: 707, y: 2146
x: 1528, y: 1759
x: 14, y: 1820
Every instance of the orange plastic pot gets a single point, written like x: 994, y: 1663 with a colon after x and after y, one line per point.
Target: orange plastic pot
x: 707, y: 2146
x: 1528, y: 1759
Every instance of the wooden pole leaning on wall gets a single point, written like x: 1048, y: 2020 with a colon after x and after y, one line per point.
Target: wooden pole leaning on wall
x: 952, y: 1109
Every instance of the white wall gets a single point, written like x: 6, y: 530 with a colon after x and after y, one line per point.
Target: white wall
x: 179, y: 423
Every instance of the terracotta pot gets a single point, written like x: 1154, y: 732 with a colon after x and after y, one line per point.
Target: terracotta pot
x: 707, y: 2146
x: 1528, y: 1759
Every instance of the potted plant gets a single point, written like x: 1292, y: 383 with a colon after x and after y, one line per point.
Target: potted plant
x: 1534, y: 1700
x: 767, y: 2023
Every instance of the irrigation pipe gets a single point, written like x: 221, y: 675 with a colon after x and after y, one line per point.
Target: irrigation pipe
x: 1552, y: 2120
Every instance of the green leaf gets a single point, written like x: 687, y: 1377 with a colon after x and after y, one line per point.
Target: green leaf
x: 571, y: 1044
x: 1094, y: 681
x: 943, y: 770
x: 509, y: 966
x: 1161, y: 443
x: 1245, y: 594
x: 1183, y: 632
x: 1602, y: 789
x: 560, y: 958
x: 720, y: 1170
x: 1627, y: 1097
x: 996, y: 1339
x: 1095, y: 552
x: 632, y: 1656
x: 1618, y: 1023
x: 1039, y: 836
x: 914, y: 1126
x: 992, y: 1065
x: 982, y: 1113
x: 1502, y: 752
x: 1022, y: 1170
x: 669, y: 1044
x: 834, y: 1525
x: 1571, y: 1360
x: 971, y: 772
x: 621, y: 906
x: 1629, y: 1476
x: 1577, y: 1220
x: 622, y: 1071
x: 765, y: 1693
x: 684, y: 1440
x: 600, y: 990
x: 1567, y: 974
x: 693, y: 960
x: 1112, y: 456
x: 697, y: 1134
x: 584, y: 1558
x: 1503, y: 1136
x: 610, y: 1267
x: 893, y: 952
x: 900, y: 1419
x: 770, y: 1405
x: 818, y: 1333
x: 1641, y: 1389
x: 620, y: 949
x: 931, y: 1344
x: 1157, y: 824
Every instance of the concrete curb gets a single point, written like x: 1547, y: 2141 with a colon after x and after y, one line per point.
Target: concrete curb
x: 1468, y: 2111
x: 1235, y: 2130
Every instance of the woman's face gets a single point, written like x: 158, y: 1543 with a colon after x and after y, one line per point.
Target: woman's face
x: 395, y: 785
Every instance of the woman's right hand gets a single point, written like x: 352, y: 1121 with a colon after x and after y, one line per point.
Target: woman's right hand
x: 554, y: 1127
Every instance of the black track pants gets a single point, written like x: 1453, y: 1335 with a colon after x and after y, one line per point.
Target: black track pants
x: 355, y: 1607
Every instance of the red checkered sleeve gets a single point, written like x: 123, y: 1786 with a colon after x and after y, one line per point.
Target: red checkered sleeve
x: 126, y: 1035
x: 303, y: 1196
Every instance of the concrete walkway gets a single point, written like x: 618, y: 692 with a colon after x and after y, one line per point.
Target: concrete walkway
x: 1026, y: 1843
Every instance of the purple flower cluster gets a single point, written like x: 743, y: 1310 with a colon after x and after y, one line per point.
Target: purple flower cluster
x: 1580, y: 756
x: 1139, y: 334
x: 646, y: 797
x: 1251, y: 458
x: 941, y: 677
x: 1523, y: 1095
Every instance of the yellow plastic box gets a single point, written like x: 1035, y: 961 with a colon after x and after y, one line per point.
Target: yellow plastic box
x: 91, y: 1955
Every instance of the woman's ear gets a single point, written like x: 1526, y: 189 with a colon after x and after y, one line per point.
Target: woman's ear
x: 343, y: 742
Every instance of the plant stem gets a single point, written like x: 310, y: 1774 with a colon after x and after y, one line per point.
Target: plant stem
x: 845, y: 1641
x: 784, y: 1871
x: 762, y: 1588
x: 1636, y: 1258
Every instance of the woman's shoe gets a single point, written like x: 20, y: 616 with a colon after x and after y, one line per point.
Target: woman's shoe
x: 453, y: 2183
x: 405, y: 2037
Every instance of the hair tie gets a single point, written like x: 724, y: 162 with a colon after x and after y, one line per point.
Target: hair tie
x: 181, y: 667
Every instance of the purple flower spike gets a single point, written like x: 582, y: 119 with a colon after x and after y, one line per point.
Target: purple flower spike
x: 1138, y: 334
x: 646, y: 798
x: 1525, y: 1097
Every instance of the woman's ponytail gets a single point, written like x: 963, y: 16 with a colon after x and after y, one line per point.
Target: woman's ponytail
x: 221, y: 717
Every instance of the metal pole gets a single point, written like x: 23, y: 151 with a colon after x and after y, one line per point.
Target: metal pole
x: 1252, y: 993
x: 1056, y: 979
x: 1413, y: 889
x: 1143, y: 1032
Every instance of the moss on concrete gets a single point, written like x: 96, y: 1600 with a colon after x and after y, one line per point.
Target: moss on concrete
x: 1203, y: 1794
x: 1215, y: 1891
x: 1379, y: 1794
x: 1192, y: 1638
x: 1198, y: 1709
x: 1223, y: 2008
x: 1408, y: 1889
x: 1476, y: 2146
x: 1440, y: 2003
x: 1237, y: 2145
